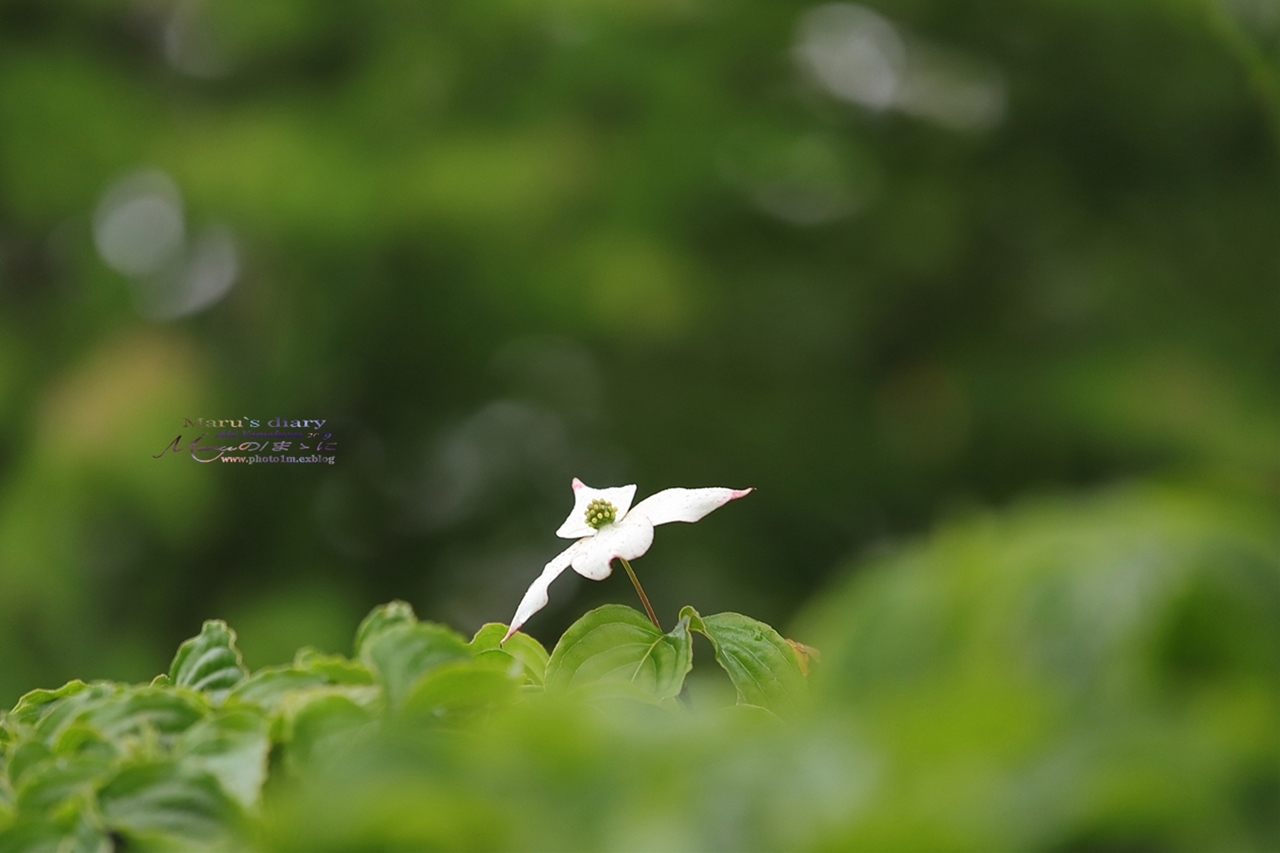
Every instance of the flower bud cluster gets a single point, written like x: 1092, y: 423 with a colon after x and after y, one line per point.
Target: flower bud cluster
x: 600, y: 513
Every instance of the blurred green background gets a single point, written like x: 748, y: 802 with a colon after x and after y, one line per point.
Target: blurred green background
x: 994, y: 272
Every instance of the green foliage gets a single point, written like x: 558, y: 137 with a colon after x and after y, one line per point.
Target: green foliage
x: 1111, y: 666
x: 1065, y: 676
x: 181, y: 763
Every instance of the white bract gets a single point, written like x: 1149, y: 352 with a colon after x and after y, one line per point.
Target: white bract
x: 606, y: 526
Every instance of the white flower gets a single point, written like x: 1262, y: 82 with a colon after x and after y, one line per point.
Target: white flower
x: 606, y: 526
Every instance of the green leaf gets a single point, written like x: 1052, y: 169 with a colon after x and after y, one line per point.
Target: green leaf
x: 457, y: 693
x: 209, y: 662
x: 32, y: 836
x: 33, y: 706
x: 368, y: 698
x: 45, y: 836
x: 52, y: 782
x: 167, y: 803
x: 381, y: 618
x: 527, y: 651
x: 618, y: 696
x: 82, y: 739
x: 233, y: 748
x: 338, y: 669
x: 269, y: 688
x: 402, y: 654
x: 761, y: 664
x: 616, y: 643
x: 27, y: 755
x: 50, y: 718
x: 745, y: 721
x: 272, y: 687
x: 321, y: 727
x: 142, y: 710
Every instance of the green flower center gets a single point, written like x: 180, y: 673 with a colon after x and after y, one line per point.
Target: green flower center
x: 600, y: 513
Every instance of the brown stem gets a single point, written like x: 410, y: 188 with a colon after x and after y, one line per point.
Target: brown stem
x: 648, y: 608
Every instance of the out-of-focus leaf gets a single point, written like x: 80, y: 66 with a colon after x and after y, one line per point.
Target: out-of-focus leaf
x: 51, y: 783
x: 53, y: 717
x: 168, y: 804
x: 348, y: 812
x: 402, y: 654
x: 25, y: 756
x: 746, y: 720
x: 458, y: 692
x: 142, y: 710
x: 528, y: 651
x: 209, y: 662
x: 761, y: 664
x: 381, y: 618
x: 336, y: 668
x: 1126, y: 644
x: 36, y: 704
x: 269, y: 688
x: 805, y: 655
x: 81, y: 739
x: 321, y: 726
x: 274, y: 686
x: 615, y: 696
x: 46, y: 836
x: 617, y: 643
x: 233, y: 748
x: 32, y: 836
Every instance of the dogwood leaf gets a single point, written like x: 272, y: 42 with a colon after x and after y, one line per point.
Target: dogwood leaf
x: 615, y: 643
x: 401, y: 654
x: 456, y: 693
x: 521, y: 648
x: 209, y: 662
x: 166, y: 804
x: 761, y: 664
x: 381, y: 618
x: 233, y: 748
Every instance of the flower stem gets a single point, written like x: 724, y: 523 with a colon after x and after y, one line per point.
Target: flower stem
x: 648, y: 608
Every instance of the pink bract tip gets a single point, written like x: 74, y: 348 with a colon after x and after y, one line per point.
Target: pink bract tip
x: 741, y: 493
x: 577, y: 484
x: 510, y: 632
